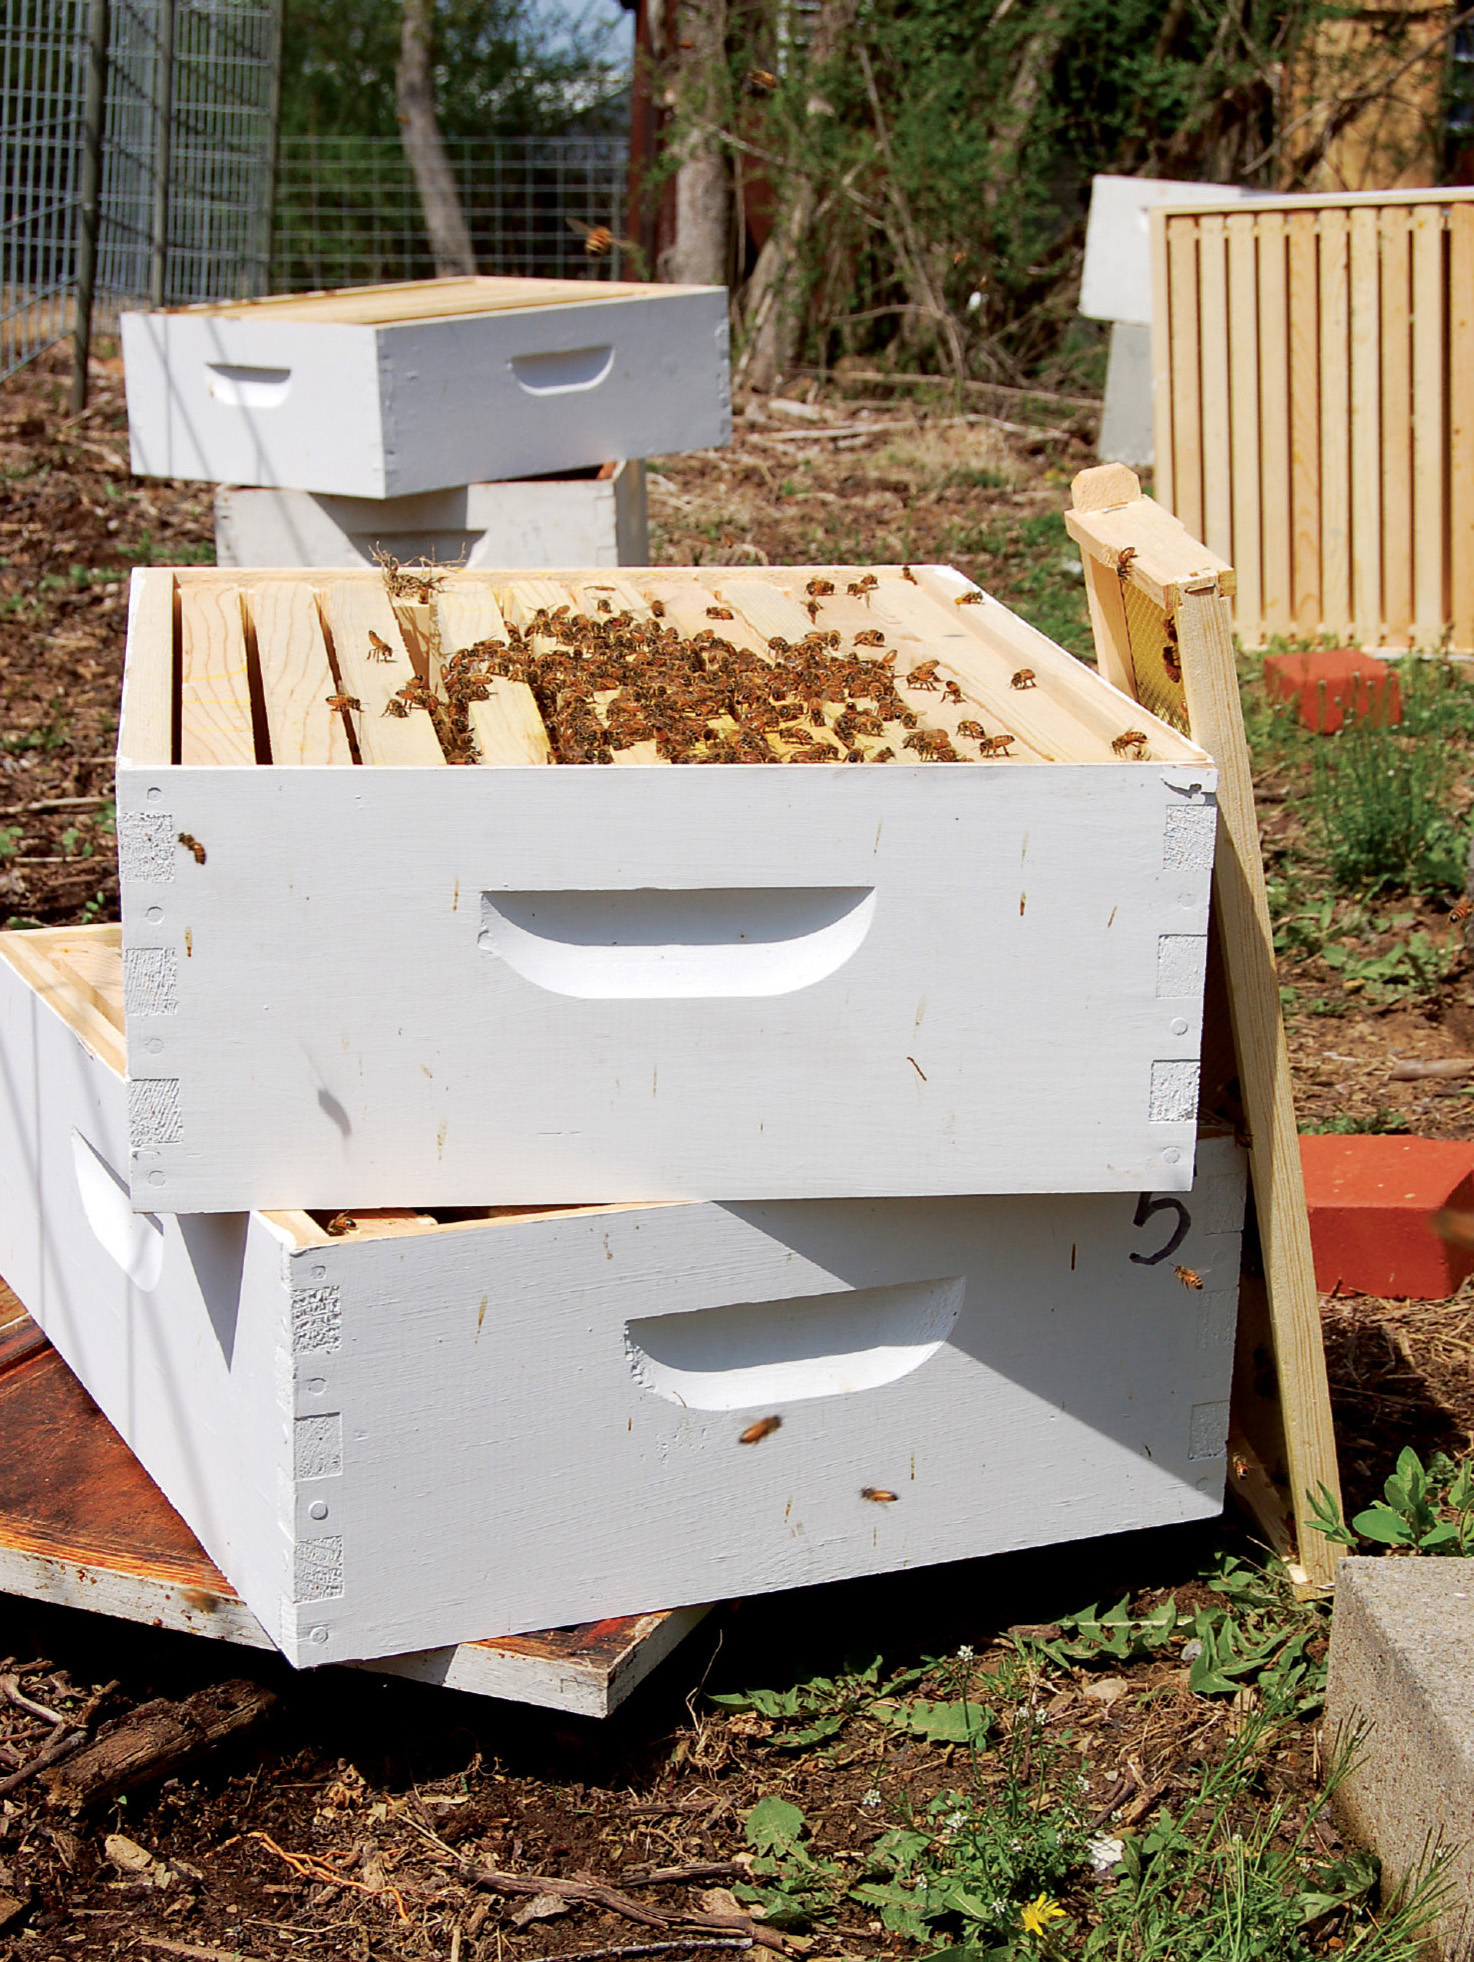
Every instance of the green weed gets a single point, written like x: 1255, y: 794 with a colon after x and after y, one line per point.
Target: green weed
x: 1382, y: 1123
x: 1422, y: 1510
x: 1379, y: 801
x: 10, y: 840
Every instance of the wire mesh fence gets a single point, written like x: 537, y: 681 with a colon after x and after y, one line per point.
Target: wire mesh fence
x: 192, y: 89
x: 348, y: 214
x: 185, y: 168
x: 42, y: 82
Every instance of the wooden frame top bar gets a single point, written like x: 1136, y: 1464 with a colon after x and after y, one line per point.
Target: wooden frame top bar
x: 1314, y: 201
x: 429, y: 299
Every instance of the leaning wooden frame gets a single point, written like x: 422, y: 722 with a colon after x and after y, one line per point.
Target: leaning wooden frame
x: 1159, y: 611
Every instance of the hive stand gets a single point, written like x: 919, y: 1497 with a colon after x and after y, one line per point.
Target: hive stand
x: 1152, y: 588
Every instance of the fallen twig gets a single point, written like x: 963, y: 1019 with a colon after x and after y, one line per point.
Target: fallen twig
x: 196, y: 1950
x: 71, y: 1733
x: 12, y: 1692
x: 310, y: 1867
x: 1414, y: 1072
x: 652, y: 1948
x: 594, y: 1893
x: 666, y: 1876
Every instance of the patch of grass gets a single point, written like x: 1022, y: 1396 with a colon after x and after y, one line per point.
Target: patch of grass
x: 1380, y: 803
x: 1382, y: 1123
x: 1004, y: 1858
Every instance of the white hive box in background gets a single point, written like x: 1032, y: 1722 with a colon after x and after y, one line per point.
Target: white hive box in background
x: 422, y: 1433
x: 597, y: 518
x: 1116, y: 280
x: 382, y: 391
x: 522, y: 984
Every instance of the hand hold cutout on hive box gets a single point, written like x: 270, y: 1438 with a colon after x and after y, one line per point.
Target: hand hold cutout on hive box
x: 648, y: 944
x: 825, y: 1345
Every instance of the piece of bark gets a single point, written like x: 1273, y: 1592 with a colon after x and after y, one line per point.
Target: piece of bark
x: 1414, y: 1072
x: 155, y: 1741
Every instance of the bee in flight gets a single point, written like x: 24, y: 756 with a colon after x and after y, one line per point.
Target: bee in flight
x: 598, y: 240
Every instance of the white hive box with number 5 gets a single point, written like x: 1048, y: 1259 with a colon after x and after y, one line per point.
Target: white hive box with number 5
x: 840, y: 884
x: 397, y: 1433
x: 382, y: 391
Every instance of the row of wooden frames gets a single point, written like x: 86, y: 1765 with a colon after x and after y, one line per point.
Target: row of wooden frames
x: 1314, y: 412
x: 303, y: 669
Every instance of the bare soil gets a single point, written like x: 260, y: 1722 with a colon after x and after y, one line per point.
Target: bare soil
x: 350, y: 1827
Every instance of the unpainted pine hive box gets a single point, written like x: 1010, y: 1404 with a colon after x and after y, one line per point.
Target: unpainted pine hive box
x: 590, y: 518
x: 382, y: 391
x: 441, y: 1427
x: 356, y: 984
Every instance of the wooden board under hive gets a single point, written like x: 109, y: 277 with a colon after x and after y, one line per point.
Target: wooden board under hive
x: 398, y: 1432
x: 780, y: 974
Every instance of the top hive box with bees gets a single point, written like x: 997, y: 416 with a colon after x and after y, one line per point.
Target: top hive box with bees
x: 382, y: 391
x: 841, y: 883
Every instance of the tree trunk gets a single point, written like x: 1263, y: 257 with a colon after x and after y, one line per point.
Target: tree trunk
x: 773, y: 304
x: 701, y: 254
x: 419, y: 132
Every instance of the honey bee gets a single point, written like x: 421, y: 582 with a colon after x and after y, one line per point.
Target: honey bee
x: 764, y: 1427
x: 1123, y: 560
x: 909, y: 576
x: 863, y: 587
x: 603, y: 606
x: 886, y: 755
x: 344, y: 702
x: 1460, y: 910
x: 1131, y: 743
x: 878, y: 1495
x: 598, y: 239
x: 657, y: 607
x: 192, y: 845
x: 871, y: 637
x: 1171, y: 665
x: 761, y: 81
x: 1025, y: 678
x: 811, y: 607
x: 933, y: 744
x: 340, y: 1224
x: 379, y: 650
x: 996, y: 745
x: 719, y: 613
x: 778, y: 645
x: 952, y: 691
x: 974, y: 598
x: 819, y: 588
x: 923, y: 677
x: 973, y: 729
x: 1189, y: 1276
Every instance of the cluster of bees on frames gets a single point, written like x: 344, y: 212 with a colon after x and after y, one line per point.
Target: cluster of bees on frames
x: 607, y: 681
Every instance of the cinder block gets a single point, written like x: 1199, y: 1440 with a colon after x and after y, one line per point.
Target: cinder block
x: 1401, y: 1704
x: 1371, y: 1201
x: 1332, y: 683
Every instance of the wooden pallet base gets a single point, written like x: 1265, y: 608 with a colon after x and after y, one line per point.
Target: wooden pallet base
x: 83, y: 1526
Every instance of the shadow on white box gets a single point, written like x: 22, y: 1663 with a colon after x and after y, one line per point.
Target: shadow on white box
x: 443, y: 1429
x: 591, y: 517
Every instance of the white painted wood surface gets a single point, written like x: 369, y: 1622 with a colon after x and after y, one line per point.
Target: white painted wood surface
x: 328, y: 399
x: 1116, y: 281
x: 672, y: 983
x: 413, y: 1439
x: 591, y: 520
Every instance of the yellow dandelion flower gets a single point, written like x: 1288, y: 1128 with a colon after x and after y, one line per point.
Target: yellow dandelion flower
x: 1039, y: 1912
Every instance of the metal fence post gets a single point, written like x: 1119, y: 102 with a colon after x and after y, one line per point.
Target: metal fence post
x: 158, y: 279
x: 91, y: 198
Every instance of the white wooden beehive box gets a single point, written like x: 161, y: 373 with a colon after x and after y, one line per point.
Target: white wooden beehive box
x: 382, y: 391
x: 596, y: 518
x: 432, y: 1430
x: 350, y: 985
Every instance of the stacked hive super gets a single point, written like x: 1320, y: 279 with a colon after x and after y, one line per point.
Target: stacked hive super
x: 706, y: 1145
x: 465, y: 420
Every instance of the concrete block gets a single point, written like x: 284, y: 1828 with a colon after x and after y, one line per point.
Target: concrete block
x: 1401, y: 1702
x: 1331, y: 683
x: 1371, y: 1202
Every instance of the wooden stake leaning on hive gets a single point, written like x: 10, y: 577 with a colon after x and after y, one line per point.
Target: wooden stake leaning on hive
x: 1159, y: 612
